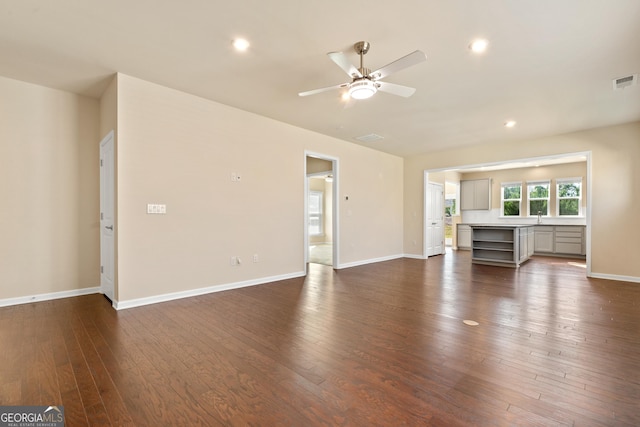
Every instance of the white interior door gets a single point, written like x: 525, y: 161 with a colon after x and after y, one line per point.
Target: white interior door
x: 434, y: 219
x: 107, y: 214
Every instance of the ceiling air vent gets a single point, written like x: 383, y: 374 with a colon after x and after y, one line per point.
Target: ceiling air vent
x: 623, y: 82
x: 369, y: 138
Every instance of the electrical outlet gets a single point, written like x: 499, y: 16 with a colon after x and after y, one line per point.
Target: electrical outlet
x: 256, y: 258
x: 154, y: 208
x: 233, y: 261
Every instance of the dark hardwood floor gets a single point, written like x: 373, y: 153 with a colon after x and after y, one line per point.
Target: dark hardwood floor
x: 376, y: 345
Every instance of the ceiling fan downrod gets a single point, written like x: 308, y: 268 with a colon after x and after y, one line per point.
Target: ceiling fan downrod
x: 361, y: 49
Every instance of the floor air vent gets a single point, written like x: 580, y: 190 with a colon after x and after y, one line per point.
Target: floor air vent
x: 623, y: 82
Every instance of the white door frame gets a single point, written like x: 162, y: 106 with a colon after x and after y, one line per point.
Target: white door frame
x: 107, y: 217
x: 334, y: 212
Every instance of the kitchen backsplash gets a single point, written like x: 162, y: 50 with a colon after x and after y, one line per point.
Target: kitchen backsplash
x: 493, y: 217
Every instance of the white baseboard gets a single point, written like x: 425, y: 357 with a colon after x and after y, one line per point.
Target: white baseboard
x: 122, y: 305
x: 368, y: 261
x: 50, y: 296
x: 615, y: 277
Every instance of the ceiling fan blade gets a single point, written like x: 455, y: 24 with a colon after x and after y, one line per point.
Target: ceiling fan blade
x: 395, y: 89
x: 323, y: 89
x: 399, y: 64
x: 341, y: 60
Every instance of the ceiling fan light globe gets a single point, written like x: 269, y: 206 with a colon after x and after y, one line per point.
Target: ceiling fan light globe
x: 362, y: 89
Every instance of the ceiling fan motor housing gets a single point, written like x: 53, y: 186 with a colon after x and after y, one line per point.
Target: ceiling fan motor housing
x: 361, y: 48
x: 364, y: 71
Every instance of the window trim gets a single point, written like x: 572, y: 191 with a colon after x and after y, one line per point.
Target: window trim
x: 572, y: 180
x: 548, y: 198
x: 502, y: 199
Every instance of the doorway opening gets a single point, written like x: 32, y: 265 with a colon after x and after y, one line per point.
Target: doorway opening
x: 451, y: 211
x: 320, y: 210
x: 453, y: 174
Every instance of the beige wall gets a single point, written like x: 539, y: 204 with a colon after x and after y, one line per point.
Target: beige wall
x: 319, y: 184
x: 328, y: 211
x: 180, y: 150
x: 315, y: 166
x: 615, y: 188
x: 109, y: 109
x: 49, y: 190
x: 542, y: 173
x: 318, y: 165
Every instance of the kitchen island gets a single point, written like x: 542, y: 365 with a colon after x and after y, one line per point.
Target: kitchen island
x: 501, y: 245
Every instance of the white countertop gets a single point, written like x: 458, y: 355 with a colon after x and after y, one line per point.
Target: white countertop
x: 548, y: 224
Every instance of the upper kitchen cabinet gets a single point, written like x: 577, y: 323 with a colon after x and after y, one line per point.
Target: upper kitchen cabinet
x: 475, y: 194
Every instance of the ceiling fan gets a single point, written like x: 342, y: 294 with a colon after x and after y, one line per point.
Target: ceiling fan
x: 365, y: 83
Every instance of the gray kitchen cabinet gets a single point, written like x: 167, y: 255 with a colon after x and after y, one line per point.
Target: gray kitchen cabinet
x: 523, y: 253
x: 560, y: 240
x: 569, y: 240
x: 530, y: 241
x: 499, y: 245
x: 475, y: 194
x: 543, y: 236
x: 464, y: 236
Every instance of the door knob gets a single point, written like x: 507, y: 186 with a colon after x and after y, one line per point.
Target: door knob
x: 109, y: 227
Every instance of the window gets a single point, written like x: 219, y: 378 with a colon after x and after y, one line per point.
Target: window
x: 538, y: 194
x: 511, y: 198
x: 569, y: 196
x: 450, y: 208
x: 316, y: 219
x: 451, y: 196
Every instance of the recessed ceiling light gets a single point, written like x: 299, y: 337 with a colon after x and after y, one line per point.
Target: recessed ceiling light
x: 241, y: 45
x: 479, y: 45
x: 509, y: 123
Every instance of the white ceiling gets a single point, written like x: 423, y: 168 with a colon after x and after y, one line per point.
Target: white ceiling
x: 550, y: 63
